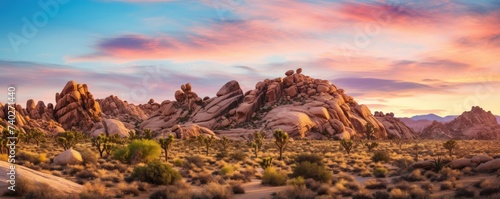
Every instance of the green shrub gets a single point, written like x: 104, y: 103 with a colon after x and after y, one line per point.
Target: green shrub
x: 215, y: 190
x: 312, y: 170
x: 180, y: 190
x: 381, y: 156
x: 273, y: 177
x: 312, y: 158
x: 156, y: 173
x: 380, y: 172
x: 297, y: 182
x: 138, y: 151
x: 228, y: 169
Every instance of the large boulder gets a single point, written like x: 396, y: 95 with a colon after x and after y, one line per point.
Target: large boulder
x: 76, y: 107
x: 62, y: 187
x: 113, y: 127
x: 478, y: 159
x: 69, y: 156
x: 460, y: 163
x: 490, y: 166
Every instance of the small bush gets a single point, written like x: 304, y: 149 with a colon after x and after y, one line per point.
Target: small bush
x: 195, y: 160
x: 380, y: 172
x: 447, y: 185
x: 312, y: 184
x: 297, y: 182
x: 363, y: 194
x: 237, y: 188
x: 488, y: 191
x: 228, y: 169
x: 273, y: 177
x: 312, y: 158
x: 95, y: 190
x: 138, y: 151
x: 203, y: 178
x: 381, y: 156
x: 86, y: 174
x: 312, y: 170
x: 418, y: 193
x: 178, y: 162
x: 381, y: 195
x: 416, y: 175
x: 179, y: 190
x: 398, y: 194
x: 464, y: 192
x: 239, y: 156
x: 4, y: 157
x: 215, y: 190
x: 88, y: 156
x: 296, y: 192
x: 156, y: 173
x: 375, y: 184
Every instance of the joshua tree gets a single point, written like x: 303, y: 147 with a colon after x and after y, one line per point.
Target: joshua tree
x: 68, y: 139
x: 199, y: 142
x: 416, y: 149
x: 399, y: 142
x: 281, y: 139
x: 208, y: 141
x: 103, y: 144
x: 348, y: 145
x: 132, y: 135
x: 450, y: 145
x: 371, y: 146
x: 370, y: 130
x: 224, y: 142
x: 256, y: 140
x: 35, y: 135
x: 166, y: 143
x: 148, y: 134
x: 266, y: 162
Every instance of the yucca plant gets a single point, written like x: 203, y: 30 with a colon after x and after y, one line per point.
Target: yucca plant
x: 281, y: 140
x: 438, y: 164
x: 371, y: 146
x: 266, y: 162
x: 348, y: 145
x: 166, y: 143
x: 450, y: 145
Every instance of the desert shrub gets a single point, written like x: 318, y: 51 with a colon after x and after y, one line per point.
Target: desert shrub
x: 483, y: 183
x: 86, y: 174
x: 447, y: 185
x: 156, y: 173
x: 128, y: 189
x: 427, y: 186
x: 138, y: 151
x: 312, y: 158
x: 312, y: 170
x: 88, y: 156
x: 30, y: 157
x: 312, y: 184
x: 178, y: 190
x: 274, y: 177
x: 215, y: 190
x: 228, y: 169
x: 416, y: 175
x: 323, y: 190
x: 178, y: 162
x: 375, y: 184
x: 95, y: 190
x: 237, y: 188
x: 363, y: 194
x: 380, y: 172
x: 398, y: 194
x: 380, y: 195
x: 418, y: 193
x: 448, y: 174
x: 488, y: 191
x: 195, y: 160
x: 464, y: 192
x: 297, y: 182
x: 295, y: 192
x: 25, y: 188
x: 342, y: 176
x: 381, y: 156
x: 239, y: 156
x: 203, y: 178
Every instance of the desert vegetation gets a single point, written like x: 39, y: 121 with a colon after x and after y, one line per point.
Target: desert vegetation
x: 141, y: 167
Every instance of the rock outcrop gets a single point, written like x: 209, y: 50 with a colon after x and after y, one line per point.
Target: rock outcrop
x: 114, y: 107
x: 394, y: 126
x: 112, y: 126
x: 76, y: 107
x: 60, y: 186
x: 474, y: 124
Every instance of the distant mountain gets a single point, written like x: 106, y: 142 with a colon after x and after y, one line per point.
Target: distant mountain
x: 431, y: 117
x: 498, y: 118
x: 474, y: 124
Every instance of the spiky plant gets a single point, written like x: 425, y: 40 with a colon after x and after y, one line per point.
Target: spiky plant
x: 348, y: 145
x: 68, y: 139
x: 103, y: 144
x: 166, y: 143
x: 35, y: 135
x: 255, y: 141
x: 266, y: 162
x: 371, y: 146
x: 438, y: 164
x: 281, y: 139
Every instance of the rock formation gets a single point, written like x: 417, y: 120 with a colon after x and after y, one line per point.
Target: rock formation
x: 69, y: 156
x: 76, y: 107
x: 474, y: 124
x: 112, y: 126
x: 394, y: 126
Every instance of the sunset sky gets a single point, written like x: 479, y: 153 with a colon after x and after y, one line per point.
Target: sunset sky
x: 406, y: 57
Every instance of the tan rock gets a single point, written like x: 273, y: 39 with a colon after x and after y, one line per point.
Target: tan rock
x: 229, y: 87
x: 460, y: 163
x: 291, y: 91
x: 289, y: 72
x: 478, y: 159
x: 69, y: 156
x: 489, y: 166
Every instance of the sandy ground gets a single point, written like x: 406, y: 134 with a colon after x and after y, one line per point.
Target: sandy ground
x: 254, y: 190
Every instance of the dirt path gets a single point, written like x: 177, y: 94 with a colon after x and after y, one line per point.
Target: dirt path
x: 254, y: 190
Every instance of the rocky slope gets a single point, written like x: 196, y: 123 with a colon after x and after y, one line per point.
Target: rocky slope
x: 298, y: 104
x: 474, y: 124
x: 395, y: 127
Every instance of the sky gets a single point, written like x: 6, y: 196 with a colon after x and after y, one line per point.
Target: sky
x: 406, y: 57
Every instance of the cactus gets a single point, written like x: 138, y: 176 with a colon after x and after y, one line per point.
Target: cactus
x: 281, y: 140
x: 266, y: 162
x: 166, y: 143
